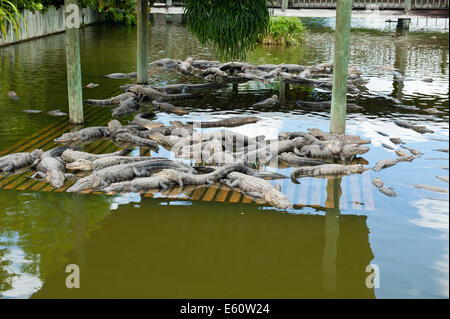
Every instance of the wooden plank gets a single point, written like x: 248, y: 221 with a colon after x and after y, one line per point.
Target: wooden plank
x: 235, y: 196
x: 210, y: 192
x: 222, y: 194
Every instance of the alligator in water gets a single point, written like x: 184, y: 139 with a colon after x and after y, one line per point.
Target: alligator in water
x: 124, y: 172
x: 325, y: 105
x: 418, y: 128
x: 13, y: 95
x: 325, y: 170
x: 186, y: 66
x: 83, y: 135
x: 131, y: 75
x: 396, y: 140
x: 51, y: 168
x: 412, y: 150
x: 228, y: 122
x: 125, y: 107
x: 12, y: 162
x: 112, y: 101
x: 272, y: 101
x: 144, y: 92
x: 142, y: 119
x: 272, y: 150
x: 391, y: 162
x: 388, y: 191
x: 432, y: 188
x: 258, y: 188
x: 169, y: 108
x: 70, y: 155
x: 443, y: 178
x: 56, y: 113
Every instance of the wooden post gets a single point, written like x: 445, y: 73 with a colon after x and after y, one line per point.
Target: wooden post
x: 142, y: 41
x: 74, y: 88
x: 340, y: 66
x: 407, y: 5
x: 284, y: 4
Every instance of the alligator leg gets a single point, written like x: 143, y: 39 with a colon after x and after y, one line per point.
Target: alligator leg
x: 39, y: 176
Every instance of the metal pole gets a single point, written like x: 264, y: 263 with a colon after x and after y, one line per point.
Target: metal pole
x: 340, y: 66
x: 142, y: 41
x: 74, y: 88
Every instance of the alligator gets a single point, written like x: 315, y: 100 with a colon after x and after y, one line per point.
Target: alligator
x: 150, y: 93
x: 431, y: 110
x: 141, y: 119
x: 228, y: 122
x: 164, y: 62
x: 266, y: 153
x: 91, y: 85
x: 388, y: 191
x: 124, y: 172
x: 162, y: 139
x: 213, y: 71
x: 201, y: 179
x: 412, y: 150
x: 13, y: 95
x: 128, y: 138
x: 12, y: 162
x: 258, y: 188
x: 349, y: 151
x: 131, y: 75
x: 401, y: 153
x: 140, y: 184
x: 396, y: 140
x: 325, y: 105
x: 56, y: 113
x: 70, y: 155
x: 112, y: 101
x: 444, y: 150
x: 323, y: 151
x: 107, y: 161
x: 272, y: 101
x: 418, y: 128
x: 387, y: 146
x: 292, y: 158
x: 325, y: 170
x: 267, y: 67
x: 349, y: 139
x: 203, y: 64
x: 382, y: 133
x: 51, y: 168
x: 125, y: 107
x: 83, y: 135
x: 431, y: 188
x: 391, y: 162
x: 443, y: 178
x: 186, y: 66
x: 169, y: 108
x: 292, y: 68
x: 310, y: 139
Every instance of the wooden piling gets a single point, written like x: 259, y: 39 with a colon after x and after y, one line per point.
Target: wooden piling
x: 142, y: 41
x: 340, y: 66
x: 74, y: 88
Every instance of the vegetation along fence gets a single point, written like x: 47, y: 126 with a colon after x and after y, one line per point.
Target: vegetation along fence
x: 41, y: 23
x: 357, y: 4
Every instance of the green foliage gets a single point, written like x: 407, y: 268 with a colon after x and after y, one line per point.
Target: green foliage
x: 231, y: 27
x: 122, y: 11
x: 9, y: 15
x: 284, y: 31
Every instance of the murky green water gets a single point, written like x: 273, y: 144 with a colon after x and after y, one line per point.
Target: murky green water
x: 134, y: 247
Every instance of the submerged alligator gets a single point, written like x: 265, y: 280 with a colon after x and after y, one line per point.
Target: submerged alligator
x: 325, y: 105
x: 228, y: 122
x: 388, y: 191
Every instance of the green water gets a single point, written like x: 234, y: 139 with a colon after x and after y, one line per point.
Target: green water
x: 129, y: 246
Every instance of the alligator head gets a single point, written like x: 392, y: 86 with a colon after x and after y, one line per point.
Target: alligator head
x: 55, y: 178
x: 68, y: 138
x: 277, y: 199
x: 81, y: 164
x: 172, y: 175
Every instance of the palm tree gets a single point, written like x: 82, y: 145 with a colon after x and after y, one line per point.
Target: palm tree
x: 9, y: 15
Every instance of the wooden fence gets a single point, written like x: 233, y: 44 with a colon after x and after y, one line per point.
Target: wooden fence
x: 357, y: 4
x: 37, y: 24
